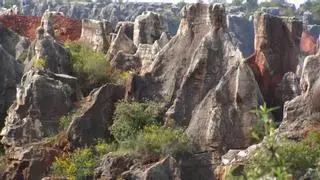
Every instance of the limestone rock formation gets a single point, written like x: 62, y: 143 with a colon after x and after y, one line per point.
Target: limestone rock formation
x: 112, y: 166
x: 46, y: 48
x: 242, y: 33
x: 95, y: 116
x: 204, y: 78
x: 121, y: 43
x: 126, y: 62
x: 166, y: 169
x: 128, y: 28
x: 148, y: 28
x: 276, y: 52
x: 301, y: 113
x: 290, y: 87
x: 12, y: 48
x: 40, y: 101
x: 95, y: 34
x: 29, y: 162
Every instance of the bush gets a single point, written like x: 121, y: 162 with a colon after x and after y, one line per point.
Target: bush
x: 38, y: 63
x: 65, y: 121
x: 82, y: 162
x: 130, y: 118
x: 157, y: 141
x: 280, y: 158
x: 92, y: 68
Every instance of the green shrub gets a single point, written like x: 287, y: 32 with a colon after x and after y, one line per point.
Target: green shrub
x: 92, y: 68
x: 82, y: 162
x: 130, y: 118
x: 38, y: 63
x: 65, y: 121
x: 157, y: 141
x: 280, y: 158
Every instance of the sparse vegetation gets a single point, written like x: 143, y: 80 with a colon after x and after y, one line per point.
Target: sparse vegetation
x: 64, y: 121
x: 38, y: 63
x: 281, y: 158
x: 130, y: 118
x: 92, y: 68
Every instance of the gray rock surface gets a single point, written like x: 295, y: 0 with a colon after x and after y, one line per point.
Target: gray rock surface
x: 95, y: 116
x: 242, y: 33
x: 148, y: 27
x: 126, y: 62
x: 95, y: 34
x: 121, y: 43
x: 40, y: 102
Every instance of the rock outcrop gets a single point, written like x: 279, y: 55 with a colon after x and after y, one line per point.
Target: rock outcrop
x: 95, y: 34
x: 12, y: 48
x: 31, y: 117
x: 128, y: 28
x: 276, y: 53
x: 166, y: 169
x: 121, y: 43
x: 95, y: 116
x: 148, y: 28
x: 302, y: 113
x: 126, y: 62
x: 45, y: 52
x: 223, y: 87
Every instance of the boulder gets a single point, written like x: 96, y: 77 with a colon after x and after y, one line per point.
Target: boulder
x: 148, y: 27
x: 95, y: 116
x: 95, y: 34
x: 276, y: 53
x: 40, y: 102
x: 112, y: 166
x: 126, y: 62
x: 121, y: 43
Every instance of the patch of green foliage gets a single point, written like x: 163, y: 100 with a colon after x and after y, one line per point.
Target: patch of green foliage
x: 81, y: 162
x: 156, y: 141
x: 2, y: 162
x: 314, y: 7
x: 130, y: 118
x: 281, y: 158
x: 38, y: 63
x: 92, y: 68
x: 65, y: 121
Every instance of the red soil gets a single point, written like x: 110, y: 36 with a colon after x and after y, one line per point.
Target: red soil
x: 65, y: 28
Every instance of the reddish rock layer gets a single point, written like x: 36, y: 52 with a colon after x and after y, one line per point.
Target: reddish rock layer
x: 65, y: 28
x: 276, y: 52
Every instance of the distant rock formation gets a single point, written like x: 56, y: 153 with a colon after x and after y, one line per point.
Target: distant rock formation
x: 277, y: 43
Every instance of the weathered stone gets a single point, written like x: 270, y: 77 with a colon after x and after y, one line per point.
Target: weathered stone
x: 121, y: 43
x: 242, y: 33
x: 302, y: 112
x: 126, y: 62
x: 40, y: 101
x: 47, y: 49
x: 29, y: 162
x: 276, y: 52
x: 112, y: 166
x: 95, y: 116
x: 290, y: 87
x: 166, y: 169
x: 148, y: 27
x: 172, y: 62
x: 95, y: 34
x: 128, y: 28
x: 146, y: 56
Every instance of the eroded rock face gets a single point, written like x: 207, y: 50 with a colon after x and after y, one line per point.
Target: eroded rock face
x: 40, y: 101
x: 12, y: 47
x: 128, y: 28
x: 301, y: 113
x: 94, y: 33
x: 166, y: 169
x: 172, y: 62
x: 46, y: 48
x: 29, y: 162
x: 148, y: 28
x: 276, y: 52
x: 121, y: 43
x: 126, y: 62
x: 112, y: 166
x: 95, y: 116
